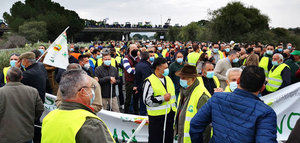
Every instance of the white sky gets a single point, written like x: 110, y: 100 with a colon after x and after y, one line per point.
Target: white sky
x: 282, y: 13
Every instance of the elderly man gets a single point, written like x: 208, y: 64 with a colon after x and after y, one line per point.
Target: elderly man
x: 159, y: 97
x: 238, y: 116
x: 223, y: 65
x: 20, y: 107
x: 232, y: 74
x: 75, y: 120
x: 108, y: 79
x: 192, y: 97
x: 279, y: 75
x: 97, y: 104
x: 14, y: 58
x: 215, y: 53
x: 129, y: 63
x: 208, y: 79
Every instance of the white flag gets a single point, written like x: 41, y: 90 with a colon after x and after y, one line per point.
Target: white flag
x: 57, y: 55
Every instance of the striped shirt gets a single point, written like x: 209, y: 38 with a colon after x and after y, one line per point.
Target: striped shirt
x: 148, y: 94
x: 127, y: 66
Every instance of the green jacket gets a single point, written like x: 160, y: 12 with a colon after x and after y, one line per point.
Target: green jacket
x: 174, y: 67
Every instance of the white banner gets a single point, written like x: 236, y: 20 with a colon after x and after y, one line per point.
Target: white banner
x: 57, y: 53
x: 285, y: 103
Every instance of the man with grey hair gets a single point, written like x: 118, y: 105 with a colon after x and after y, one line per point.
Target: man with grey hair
x: 232, y: 75
x: 20, y: 107
x: 97, y: 104
x: 75, y: 120
x: 279, y: 76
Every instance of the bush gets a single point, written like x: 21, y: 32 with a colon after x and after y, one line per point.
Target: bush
x: 5, y: 53
x: 13, y: 41
x: 34, y: 31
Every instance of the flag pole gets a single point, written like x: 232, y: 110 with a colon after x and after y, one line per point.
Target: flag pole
x: 50, y: 45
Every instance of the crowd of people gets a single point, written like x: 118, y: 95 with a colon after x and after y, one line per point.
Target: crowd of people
x: 190, y: 91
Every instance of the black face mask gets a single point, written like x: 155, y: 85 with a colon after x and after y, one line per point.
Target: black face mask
x: 172, y: 53
x: 112, y: 55
x: 204, y: 51
x: 205, y: 59
x: 257, y: 53
x: 134, y: 53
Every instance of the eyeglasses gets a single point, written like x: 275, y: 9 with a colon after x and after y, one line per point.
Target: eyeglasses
x: 93, y: 87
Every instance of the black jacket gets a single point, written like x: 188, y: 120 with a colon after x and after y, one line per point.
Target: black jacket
x: 36, y: 76
x: 142, y: 71
x: 104, y: 73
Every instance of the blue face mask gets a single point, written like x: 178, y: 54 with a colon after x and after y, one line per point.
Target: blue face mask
x: 12, y: 63
x: 227, y: 50
x: 215, y: 50
x: 152, y: 59
x: 210, y: 74
x: 235, y: 60
x: 183, y: 83
x: 168, y: 50
x: 159, y: 48
x: 72, y: 49
x: 289, y: 47
x: 274, y: 63
x: 179, y: 60
x: 98, y: 56
x: 42, y: 51
x: 166, y: 72
x: 269, y: 52
x: 107, y: 62
x: 233, y: 86
x: 279, y: 50
x: 93, y: 96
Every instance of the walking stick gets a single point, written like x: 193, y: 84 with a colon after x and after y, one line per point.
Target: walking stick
x: 165, y: 122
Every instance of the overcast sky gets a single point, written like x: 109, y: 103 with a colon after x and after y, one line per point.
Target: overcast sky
x: 283, y: 13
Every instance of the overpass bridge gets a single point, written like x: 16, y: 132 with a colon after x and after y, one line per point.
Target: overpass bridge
x: 125, y: 31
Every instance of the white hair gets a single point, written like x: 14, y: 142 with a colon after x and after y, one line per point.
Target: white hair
x: 232, y: 70
x: 280, y: 56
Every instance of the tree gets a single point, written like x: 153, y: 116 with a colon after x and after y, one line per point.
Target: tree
x: 173, y: 33
x: 234, y: 21
x: 34, y: 31
x: 55, y: 16
x: 190, y: 32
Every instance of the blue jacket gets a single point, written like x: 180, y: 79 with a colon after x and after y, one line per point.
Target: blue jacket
x: 239, y: 117
x: 142, y: 71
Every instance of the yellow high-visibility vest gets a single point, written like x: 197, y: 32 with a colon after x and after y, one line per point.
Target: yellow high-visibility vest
x: 193, y: 58
x: 113, y: 62
x: 61, y: 126
x: 159, y: 89
x: 216, y: 80
x: 5, y: 73
x: 264, y: 62
x: 209, y: 53
x: 164, y: 52
x: 227, y: 89
x: 119, y: 59
x: 274, y: 78
x: 192, y: 109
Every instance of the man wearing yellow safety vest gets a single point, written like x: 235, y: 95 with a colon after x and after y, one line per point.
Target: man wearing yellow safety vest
x: 75, y: 120
x: 215, y: 52
x: 232, y: 74
x: 159, y: 50
x: 14, y: 58
x: 119, y: 60
x: 279, y: 75
x: 192, y: 97
x: 159, y: 98
x: 208, y: 79
x: 93, y: 59
x: 266, y: 61
x: 194, y: 56
x: 113, y: 60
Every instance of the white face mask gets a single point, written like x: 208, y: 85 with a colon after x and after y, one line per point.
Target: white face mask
x: 233, y: 85
x: 87, y: 65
